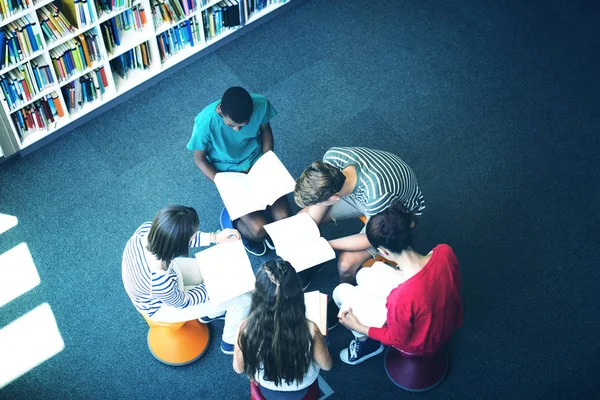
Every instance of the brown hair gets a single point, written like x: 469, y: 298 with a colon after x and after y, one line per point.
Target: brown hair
x: 318, y: 183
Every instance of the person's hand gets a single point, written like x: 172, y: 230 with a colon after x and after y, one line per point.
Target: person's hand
x: 349, y: 320
x: 227, y: 235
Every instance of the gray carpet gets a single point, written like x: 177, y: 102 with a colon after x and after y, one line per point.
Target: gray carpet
x: 493, y: 103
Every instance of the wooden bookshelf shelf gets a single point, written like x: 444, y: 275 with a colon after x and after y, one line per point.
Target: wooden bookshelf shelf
x: 214, y: 21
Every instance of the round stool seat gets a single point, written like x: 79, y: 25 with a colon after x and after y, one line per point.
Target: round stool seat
x: 178, y: 343
x: 415, y: 373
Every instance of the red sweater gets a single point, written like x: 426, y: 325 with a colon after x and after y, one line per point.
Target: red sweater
x: 424, y: 311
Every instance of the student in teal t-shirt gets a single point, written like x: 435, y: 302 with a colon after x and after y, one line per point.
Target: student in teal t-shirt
x: 230, y: 135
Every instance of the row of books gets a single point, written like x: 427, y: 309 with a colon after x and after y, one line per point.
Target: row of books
x: 75, y: 55
x: 18, y: 40
x: 21, y: 84
x: 259, y: 5
x: 169, y: 11
x: 38, y: 116
x: 54, y: 24
x: 12, y: 7
x: 133, y: 18
x: 84, y: 12
x: 178, y: 37
x: 220, y: 18
x: 108, y: 6
x: 86, y: 89
x: 136, y: 58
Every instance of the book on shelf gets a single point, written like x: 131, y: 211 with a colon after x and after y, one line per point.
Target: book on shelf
x: 136, y: 58
x: 297, y: 240
x: 267, y: 181
x: 86, y: 89
x: 226, y: 271
x: 316, y: 309
x: 38, y: 116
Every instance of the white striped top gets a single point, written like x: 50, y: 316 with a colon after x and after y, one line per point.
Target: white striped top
x: 381, y: 178
x: 147, y: 285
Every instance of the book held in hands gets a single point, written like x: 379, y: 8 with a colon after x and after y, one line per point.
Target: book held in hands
x: 267, y: 181
x: 316, y: 309
x: 298, y: 241
x: 226, y: 271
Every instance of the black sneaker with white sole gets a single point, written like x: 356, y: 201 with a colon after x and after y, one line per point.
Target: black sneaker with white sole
x: 255, y: 248
x: 359, y: 351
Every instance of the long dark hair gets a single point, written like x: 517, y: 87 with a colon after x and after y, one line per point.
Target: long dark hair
x: 276, y: 334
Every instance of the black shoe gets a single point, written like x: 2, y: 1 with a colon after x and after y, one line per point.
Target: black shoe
x: 305, y: 278
x: 255, y: 248
x: 269, y: 243
x: 332, y: 315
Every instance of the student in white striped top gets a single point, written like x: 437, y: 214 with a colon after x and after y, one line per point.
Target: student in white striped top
x: 351, y: 182
x: 165, y: 285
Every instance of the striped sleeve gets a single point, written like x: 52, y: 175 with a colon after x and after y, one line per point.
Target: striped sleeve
x: 200, y: 239
x: 165, y: 289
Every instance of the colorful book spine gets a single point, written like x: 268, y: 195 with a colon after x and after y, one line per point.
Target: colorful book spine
x: 19, y: 39
x: 41, y: 115
x: 21, y: 84
x: 53, y: 23
x: 76, y: 55
x: 86, y: 89
x: 137, y: 58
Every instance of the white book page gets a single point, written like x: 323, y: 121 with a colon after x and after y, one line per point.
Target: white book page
x: 368, y: 309
x: 226, y: 270
x: 307, y: 254
x: 238, y: 194
x: 315, y: 310
x: 270, y: 178
x: 293, y: 230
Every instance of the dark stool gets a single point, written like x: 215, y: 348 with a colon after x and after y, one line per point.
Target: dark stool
x: 415, y: 373
x: 313, y: 391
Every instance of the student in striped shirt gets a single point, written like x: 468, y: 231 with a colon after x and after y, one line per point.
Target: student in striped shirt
x: 165, y: 285
x: 351, y: 182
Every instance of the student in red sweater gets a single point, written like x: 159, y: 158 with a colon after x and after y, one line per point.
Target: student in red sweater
x: 423, y: 305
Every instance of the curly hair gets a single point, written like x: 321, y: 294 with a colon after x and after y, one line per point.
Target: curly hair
x: 276, y: 337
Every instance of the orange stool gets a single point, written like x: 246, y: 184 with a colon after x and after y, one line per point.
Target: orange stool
x: 178, y: 343
x: 372, y: 261
x: 313, y: 391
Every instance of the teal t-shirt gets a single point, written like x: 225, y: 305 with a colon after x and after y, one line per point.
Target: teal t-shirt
x: 226, y: 149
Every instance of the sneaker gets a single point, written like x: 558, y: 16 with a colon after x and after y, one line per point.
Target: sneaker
x: 359, y: 351
x: 255, y: 248
x: 305, y: 278
x: 269, y: 243
x: 332, y: 314
x: 227, y: 348
x: 208, y: 320
x: 225, y: 220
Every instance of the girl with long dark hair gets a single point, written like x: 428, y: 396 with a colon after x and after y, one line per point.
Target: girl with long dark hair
x: 277, y: 347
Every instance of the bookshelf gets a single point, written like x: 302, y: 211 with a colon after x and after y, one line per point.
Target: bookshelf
x: 64, y: 61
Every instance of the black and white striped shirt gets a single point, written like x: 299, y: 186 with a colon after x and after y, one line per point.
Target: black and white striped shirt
x: 149, y: 288
x: 381, y: 178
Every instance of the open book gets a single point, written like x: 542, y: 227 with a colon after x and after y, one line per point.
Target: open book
x: 298, y: 241
x: 368, y: 299
x: 316, y: 309
x: 267, y: 181
x: 226, y: 271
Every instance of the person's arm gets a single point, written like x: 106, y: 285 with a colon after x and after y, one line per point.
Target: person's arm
x: 166, y: 289
x: 202, y: 239
x: 355, y: 242
x: 238, y: 357
x: 321, y: 352
x: 205, y: 166
x: 349, y: 320
x: 266, y: 137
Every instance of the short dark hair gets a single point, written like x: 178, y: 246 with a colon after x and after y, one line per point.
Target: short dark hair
x: 237, y: 104
x: 391, y: 228
x: 318, y: 183
x: 171, y: 231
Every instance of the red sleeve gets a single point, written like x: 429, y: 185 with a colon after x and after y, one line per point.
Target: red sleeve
x: 398, y: 328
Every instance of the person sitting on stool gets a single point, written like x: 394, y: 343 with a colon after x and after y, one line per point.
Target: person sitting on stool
x: 425, y: 307
x: 165, y: 285
x: 277, y: 347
